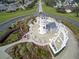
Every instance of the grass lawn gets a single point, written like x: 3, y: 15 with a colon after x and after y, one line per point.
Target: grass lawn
x: 74, y: 28
x: 29, y: 51
x: 12, y: 38
x: 51, y: 11
x: 1, y: 33
x: 4, y: 16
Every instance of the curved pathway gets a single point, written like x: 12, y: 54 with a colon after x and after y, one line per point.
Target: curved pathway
x: 3, y: 54
x: 70, y: 52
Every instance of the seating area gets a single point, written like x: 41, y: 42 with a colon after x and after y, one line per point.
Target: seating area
x: 56, y: 39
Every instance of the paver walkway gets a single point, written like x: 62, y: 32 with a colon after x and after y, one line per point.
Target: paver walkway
x: 70, y: 52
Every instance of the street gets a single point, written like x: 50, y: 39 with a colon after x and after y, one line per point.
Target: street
x: 72, y: 49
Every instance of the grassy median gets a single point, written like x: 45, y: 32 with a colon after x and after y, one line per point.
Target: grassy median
x: 5, y: 16
x: 74, y: 28
x: 52, y: 11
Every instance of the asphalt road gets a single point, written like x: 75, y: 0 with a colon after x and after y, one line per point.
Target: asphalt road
x: 74, y: 22
x: 4, y: 26
x: 72, y: 49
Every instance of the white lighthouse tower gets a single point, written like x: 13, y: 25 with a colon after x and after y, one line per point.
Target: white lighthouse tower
x: 42, y: 25
x: 41, y: 20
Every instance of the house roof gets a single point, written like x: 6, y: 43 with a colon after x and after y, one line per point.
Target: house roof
x: 51, y: 25
x: 12, y: 7
x: 69, y: 7
x: 3, y: 7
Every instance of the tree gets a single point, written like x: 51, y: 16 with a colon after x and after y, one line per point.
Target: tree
x: 77, y: 11
x: 77, y: 1
x: 50, y: 2
x: 24, y: 28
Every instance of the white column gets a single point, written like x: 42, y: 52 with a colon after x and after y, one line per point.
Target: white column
x: 42, y: 29
x: 40, y: 6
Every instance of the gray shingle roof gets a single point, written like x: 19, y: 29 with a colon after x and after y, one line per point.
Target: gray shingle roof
x: 2, y: 7
x: 12, y: 8
x: 51, y: 25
